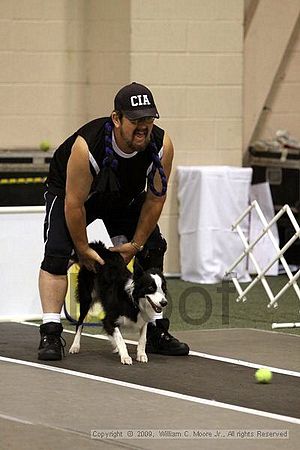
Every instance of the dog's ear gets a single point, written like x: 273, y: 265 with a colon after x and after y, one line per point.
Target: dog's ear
x: 137, y: 269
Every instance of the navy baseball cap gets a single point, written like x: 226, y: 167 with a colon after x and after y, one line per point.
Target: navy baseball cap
x: 135, y: 101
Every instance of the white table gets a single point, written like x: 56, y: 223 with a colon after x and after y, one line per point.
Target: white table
x: 211, y: 198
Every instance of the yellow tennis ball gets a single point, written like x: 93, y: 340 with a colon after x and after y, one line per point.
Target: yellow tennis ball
x: 263, y: 376
x: 45, y: 146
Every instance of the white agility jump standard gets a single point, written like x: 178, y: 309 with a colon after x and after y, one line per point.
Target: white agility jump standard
x: 247, y: 253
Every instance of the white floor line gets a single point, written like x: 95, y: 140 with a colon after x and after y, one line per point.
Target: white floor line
x: 282, y: 333
x: 157, y: 391
x: 46, y: 425
x: 238, y: 362
x: 15, y: 419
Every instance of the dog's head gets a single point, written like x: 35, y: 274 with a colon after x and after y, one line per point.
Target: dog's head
x: 150, y: 290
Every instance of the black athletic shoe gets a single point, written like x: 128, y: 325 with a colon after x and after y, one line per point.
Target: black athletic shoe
x: 160, y: 341
x: 52, y: 344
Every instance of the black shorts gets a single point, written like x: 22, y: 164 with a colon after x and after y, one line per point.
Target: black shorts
x: 120, y: 220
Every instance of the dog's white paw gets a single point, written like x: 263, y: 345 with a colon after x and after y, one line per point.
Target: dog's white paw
x: 126, y: 360
x: 143, y: 358
x: 74, y: 348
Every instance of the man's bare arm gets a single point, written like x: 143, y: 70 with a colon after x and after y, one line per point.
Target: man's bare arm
x: 78, y: 185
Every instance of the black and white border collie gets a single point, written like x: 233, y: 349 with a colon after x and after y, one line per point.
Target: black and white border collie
x: 125, y: 298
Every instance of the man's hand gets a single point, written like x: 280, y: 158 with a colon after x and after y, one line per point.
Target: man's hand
x: 88, y: 258
x: 127, y: 251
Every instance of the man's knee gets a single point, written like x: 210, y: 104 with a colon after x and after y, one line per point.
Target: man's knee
x: 55, y: 265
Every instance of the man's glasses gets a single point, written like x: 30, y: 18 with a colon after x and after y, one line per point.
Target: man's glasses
x: 146, y: 120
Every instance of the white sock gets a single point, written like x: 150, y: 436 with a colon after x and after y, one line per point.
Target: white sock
x: 157, y: 316
x: 51, y: 317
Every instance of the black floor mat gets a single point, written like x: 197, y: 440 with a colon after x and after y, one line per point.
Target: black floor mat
x: 189, y: 375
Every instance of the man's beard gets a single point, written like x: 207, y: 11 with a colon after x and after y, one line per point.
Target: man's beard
x: 134, y: 147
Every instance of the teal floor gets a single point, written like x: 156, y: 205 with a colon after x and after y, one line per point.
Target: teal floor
x: 197, y: 306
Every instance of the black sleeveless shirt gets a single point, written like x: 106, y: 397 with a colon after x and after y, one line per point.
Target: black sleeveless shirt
x: 131, y: 171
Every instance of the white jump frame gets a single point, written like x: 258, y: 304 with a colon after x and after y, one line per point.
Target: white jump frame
x: 248, y: 247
